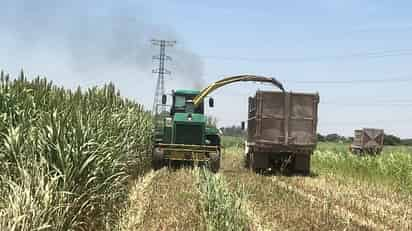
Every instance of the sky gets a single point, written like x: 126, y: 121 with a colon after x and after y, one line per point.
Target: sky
x: 355, y: 54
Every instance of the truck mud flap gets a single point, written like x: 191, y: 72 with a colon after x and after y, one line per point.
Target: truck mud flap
x: 302, y: 164
x: 260, y: 160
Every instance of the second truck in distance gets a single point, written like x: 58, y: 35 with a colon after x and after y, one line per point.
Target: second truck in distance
x: 367, y: 141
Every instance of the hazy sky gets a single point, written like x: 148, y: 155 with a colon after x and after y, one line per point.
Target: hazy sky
x: 356, y: 54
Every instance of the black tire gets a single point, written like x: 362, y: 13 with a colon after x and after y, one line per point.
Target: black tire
x: 246, y: 161
x: 214, y: 166
x: 251, y: 162
x: 214, y: 162
x: 356, y: 151
x: 157, y: 159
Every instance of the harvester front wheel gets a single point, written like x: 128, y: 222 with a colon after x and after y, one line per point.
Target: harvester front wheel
x: 214, y: 162
x: 157, y: 159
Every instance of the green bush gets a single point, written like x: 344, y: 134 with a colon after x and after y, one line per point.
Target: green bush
x: 232, y: 141
x: 392, y: 167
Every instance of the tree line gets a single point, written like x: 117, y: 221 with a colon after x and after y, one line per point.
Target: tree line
x: 389, y: 139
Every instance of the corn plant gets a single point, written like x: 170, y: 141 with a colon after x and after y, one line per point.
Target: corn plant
x: 66, y: 155
x: 223, y: 209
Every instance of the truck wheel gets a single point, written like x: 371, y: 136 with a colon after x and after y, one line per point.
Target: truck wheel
x: 356, y: 151
x: 251, y: 162
x: 157, y: 158
x: 246, y: 160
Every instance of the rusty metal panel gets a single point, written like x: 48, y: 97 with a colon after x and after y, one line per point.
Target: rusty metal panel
x: 272, y: 129
x: 302, y: 106
x: 251, y: 129
x: 283, y: 118
x: 372, y: 137
x: 273, y: 105
x: 357, y: 139
x: 252, y: 107
x: 368, y: 140
x: 301, y: 132
x: 303, y: 119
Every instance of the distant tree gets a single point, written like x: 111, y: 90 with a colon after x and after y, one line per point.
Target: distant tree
x: 233, y: 131
x: 333, y: 137
x: 391, y: 140
x: 406, y: 142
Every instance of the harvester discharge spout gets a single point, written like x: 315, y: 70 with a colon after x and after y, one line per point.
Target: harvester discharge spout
x: 239, y: 78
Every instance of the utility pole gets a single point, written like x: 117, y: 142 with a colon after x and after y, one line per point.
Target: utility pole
x: 161, y: 71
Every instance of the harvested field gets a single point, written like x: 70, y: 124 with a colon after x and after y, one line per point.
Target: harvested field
x: 238, y: 199
x: 280, y: 206
x: 169, y: 202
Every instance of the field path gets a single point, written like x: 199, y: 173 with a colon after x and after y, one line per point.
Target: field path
x: 342, y: 212
x: 138, y: 202
x: 169, y: 201
x: 173, y: 200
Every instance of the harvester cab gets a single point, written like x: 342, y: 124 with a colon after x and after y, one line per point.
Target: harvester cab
x: 184, y: 135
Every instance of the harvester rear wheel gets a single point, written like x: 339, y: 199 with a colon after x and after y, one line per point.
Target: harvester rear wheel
x: 214, y: 162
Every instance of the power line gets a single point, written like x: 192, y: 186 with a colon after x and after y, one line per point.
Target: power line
x: 370, y: 54
x: 405, y: 79
x: 355, y: 81
x: 350, y: 123
x: 371, y: 104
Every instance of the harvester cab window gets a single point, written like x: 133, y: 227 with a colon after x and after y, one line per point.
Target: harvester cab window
x: 180, y: 101
x: 198, y: 109
x: 180, y: 104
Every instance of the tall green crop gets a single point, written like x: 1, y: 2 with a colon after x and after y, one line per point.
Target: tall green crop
x: 393, y: 167
x: 65, y: 156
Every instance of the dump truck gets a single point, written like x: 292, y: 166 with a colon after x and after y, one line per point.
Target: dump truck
x: 281, y: 131
x: 367, y: 141
x: 182, y: 134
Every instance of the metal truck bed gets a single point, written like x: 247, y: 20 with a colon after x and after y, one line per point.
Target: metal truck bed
x: 281, y: 124
x: 286, y: 119
x: 367, y: 140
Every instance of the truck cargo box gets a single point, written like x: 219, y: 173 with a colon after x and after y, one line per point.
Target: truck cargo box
x: 282, y: 125
x: 368, y: 140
